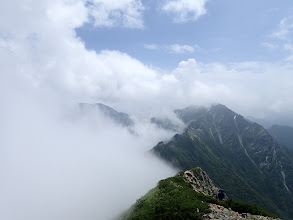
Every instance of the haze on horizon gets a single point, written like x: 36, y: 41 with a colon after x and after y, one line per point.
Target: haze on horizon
x: 141, y: 57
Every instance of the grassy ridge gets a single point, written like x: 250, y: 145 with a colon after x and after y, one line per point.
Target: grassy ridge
x: 173, y: 198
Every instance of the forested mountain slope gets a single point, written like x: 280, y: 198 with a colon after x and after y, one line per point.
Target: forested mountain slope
x: 240, y: 156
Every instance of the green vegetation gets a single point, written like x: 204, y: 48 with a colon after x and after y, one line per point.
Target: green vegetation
x: 175, y: 199
x: 171, y: 199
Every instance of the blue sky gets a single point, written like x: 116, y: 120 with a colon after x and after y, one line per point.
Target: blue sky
x: 230, y: 31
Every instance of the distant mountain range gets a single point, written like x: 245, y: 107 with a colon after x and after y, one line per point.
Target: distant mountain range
x: 271, y: 120
x: 282, y: 134
x: 239, y: 155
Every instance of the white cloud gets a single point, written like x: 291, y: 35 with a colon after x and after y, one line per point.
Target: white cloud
x: 185, y: 10
x: 110, y: 13
x: 270, y: 45
x: 176, y: 48
x: 288, y: 47
x: 289, y: 58
x: 283, y: 38
x: 70, y: 13
x: 172, y: 48
x: 151, y: 46
x: 285, y: 30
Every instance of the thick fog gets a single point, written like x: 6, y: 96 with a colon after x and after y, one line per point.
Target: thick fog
x: 55, y: 164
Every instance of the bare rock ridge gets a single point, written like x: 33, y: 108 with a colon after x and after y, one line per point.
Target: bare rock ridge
x: 220, y: 212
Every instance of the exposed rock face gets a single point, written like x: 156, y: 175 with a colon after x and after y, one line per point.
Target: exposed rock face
x: 201, y: 182
x: 220, y: 212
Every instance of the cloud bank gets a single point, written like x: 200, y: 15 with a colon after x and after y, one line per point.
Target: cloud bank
x: 176, y: 48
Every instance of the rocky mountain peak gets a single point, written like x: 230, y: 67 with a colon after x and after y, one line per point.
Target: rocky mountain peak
x: 221, y: 110
x: 193, y: 113
x: 220, y: 107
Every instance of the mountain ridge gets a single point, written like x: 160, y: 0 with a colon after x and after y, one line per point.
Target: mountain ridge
x: 239, y: 155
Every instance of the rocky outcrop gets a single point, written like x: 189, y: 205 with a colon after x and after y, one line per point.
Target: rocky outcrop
x: 201, y: 182
x: 220, y: 212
